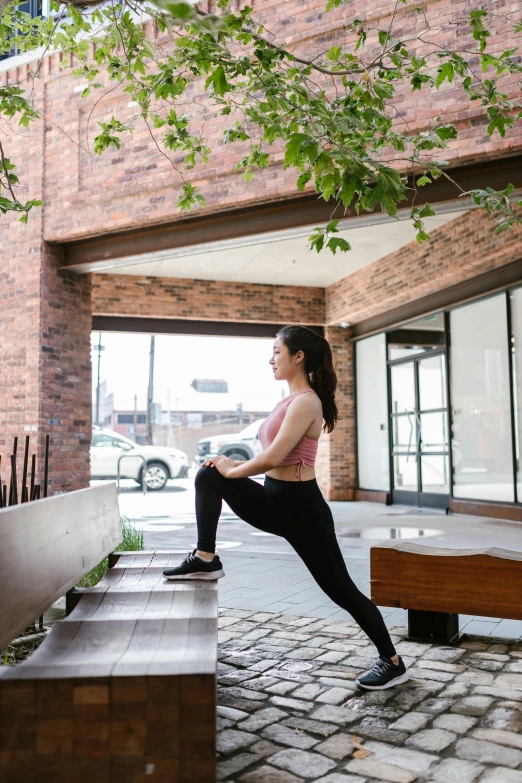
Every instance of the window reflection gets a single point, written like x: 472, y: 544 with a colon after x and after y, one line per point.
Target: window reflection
x: 482, y: 442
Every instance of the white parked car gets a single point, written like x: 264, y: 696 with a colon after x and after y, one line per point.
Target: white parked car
x: 238, y: 446
x: 162, y: 461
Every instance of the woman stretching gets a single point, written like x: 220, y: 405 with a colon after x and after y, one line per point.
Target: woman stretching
x: 290, y: 503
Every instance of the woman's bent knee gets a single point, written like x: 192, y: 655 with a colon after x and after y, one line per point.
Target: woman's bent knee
x: 204, y: 476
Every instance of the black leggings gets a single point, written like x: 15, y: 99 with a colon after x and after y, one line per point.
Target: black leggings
x: 297, y: 511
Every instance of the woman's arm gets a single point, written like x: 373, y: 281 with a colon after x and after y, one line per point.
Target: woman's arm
x: 299, y: 416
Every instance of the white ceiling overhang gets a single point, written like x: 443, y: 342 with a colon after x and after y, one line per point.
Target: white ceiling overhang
x: 282, y: 257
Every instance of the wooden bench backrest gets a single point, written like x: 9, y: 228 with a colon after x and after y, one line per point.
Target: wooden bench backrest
x: 47, y: 546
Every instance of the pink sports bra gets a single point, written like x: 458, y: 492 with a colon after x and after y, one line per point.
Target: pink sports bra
x: 304, y: 453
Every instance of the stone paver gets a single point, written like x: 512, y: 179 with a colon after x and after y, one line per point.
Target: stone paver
x: 303, y: 718
x: 337, y: 747
x: 457, y: 771
x: 432, y: 739
x: 309, y: 765
x: 478, y: 750
x: 502, y: 775
x: 381, y: 771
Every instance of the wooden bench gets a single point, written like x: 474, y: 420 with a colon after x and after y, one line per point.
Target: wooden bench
x: 436, y: 585
x: 122, y: 689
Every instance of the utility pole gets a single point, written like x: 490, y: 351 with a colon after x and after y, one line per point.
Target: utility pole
x: 150, y: 394
x: 135, y: 414
x: 169, y: 423
x: 98, y: 348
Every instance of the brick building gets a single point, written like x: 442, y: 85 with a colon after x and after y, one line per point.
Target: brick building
x: 110, y: 251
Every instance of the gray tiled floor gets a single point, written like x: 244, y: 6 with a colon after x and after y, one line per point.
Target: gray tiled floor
x: 281, y: 583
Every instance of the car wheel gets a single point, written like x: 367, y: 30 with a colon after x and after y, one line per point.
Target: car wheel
x: 155, y: 476
x: 237, y: 455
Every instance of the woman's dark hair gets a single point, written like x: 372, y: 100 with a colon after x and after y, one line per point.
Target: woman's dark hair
x: 318, y: 364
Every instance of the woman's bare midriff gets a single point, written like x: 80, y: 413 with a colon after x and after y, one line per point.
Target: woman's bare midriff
x: 287, y: 473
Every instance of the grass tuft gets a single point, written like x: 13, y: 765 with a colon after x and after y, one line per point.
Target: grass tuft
x: 133, y: 540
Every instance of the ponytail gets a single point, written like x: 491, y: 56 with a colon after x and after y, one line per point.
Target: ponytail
x: 318, y: 366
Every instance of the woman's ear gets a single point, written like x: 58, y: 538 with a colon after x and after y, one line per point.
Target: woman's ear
x: 299, y: 356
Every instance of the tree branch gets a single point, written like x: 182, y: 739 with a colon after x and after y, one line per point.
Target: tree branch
x: 6, y: 172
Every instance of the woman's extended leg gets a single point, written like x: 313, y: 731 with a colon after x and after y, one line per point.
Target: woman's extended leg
x: 245, y: 497
x: 323, y: 558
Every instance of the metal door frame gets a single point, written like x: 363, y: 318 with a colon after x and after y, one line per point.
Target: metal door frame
x: 418, y: 497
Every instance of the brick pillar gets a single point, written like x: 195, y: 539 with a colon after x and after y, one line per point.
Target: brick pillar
x: 45, y: 382
x: 336, y: 457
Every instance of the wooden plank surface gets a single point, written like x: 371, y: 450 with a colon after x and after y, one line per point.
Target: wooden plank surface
x: 126, y: 682
x: 47, y: 546
x: 486, y: 583
x: 133, y: 622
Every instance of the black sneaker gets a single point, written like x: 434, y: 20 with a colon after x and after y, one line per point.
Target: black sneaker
x: 384, y: 674
x: 193, y: 567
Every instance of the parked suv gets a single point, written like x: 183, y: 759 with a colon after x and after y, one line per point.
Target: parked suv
x: 162, y: 461
x: 238, y: 446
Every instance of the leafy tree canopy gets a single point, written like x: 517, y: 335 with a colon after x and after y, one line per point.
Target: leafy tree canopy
x: 334, y: 115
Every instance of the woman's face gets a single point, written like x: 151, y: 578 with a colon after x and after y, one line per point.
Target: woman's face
x: 283, y: 365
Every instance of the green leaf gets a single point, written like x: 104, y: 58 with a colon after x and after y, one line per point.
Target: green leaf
x: 337, y: 243
x: 348, y: 188
x: 446, y: 71
x: 218, y: 80
x: 317, y: 242
x: 423, y: 181
x: 426, y: 211
x: 303, y: 179
x: 446, y: 132
x: 293, y: 148
x: 388, y: 191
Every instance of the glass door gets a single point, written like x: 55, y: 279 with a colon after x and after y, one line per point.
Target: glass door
x: 419, y: 431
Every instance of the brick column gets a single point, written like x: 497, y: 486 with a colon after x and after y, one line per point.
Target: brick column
x: 336, y: 457
x: 45, y: 383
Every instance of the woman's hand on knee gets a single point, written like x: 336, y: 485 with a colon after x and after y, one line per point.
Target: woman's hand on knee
x: 223, y: 465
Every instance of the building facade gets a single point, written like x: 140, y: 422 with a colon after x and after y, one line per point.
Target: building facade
x: 425, y: 337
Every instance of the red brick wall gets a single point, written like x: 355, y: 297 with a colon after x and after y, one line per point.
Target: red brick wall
x: 65, y: 372
x: 45, y: 383
x: 136, y: 186
x: 206, y: 300
x: 44, y: 316
x: 458, y: 251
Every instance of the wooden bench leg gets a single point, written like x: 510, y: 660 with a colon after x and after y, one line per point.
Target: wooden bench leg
x: 72, y: 598
x: 433, y: 626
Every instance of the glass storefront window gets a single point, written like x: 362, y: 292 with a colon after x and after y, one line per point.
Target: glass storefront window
x: 432, y: 383
x: 480, y: 396
x: 404, y: 433
x: 434, y: 431
x: 372, y: 413
x: 405, y: 472
x: 416, y: 337
x: 435, y: 473
x: 516, y: 354
x: 403, y: 388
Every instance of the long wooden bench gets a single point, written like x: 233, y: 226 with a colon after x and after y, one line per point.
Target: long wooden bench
x: 122, y: 689
x: 436, y: 585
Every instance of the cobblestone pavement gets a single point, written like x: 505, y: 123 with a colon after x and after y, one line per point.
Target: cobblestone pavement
x: 289, y: 709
